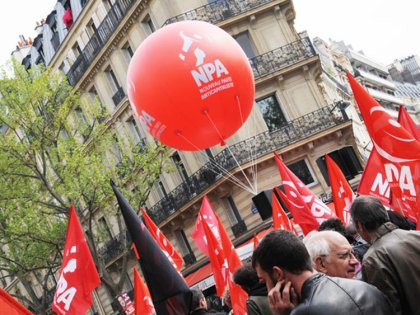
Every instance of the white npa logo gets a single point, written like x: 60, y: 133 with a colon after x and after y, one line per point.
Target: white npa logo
x: 210, y: 77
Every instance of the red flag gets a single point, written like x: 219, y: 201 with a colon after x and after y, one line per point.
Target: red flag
x: 10, y: 306
x: 207, y: 213
x: 256, y: 241
x: 218, y: 260
x: 170, y: 252
x: 237, y: 295
x: 341, y: 191
x: 408, y: 123
x: 308, y: 210
x: 78, y: 275
x: 398, y: 149
x: 280, y: 218
x: 142, y: 300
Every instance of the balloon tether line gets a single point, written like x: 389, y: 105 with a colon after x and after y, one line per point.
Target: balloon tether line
x: 229, y: 176
x: 234, y: 157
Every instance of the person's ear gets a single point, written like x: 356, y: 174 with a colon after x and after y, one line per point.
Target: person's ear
x: 319, y: 264
x: 278, y: 273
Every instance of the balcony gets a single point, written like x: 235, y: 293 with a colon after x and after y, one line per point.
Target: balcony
x: 262, y: 144
x: 382, y: 96
x: 280, y: 58
x: 218, y: 11
x: 99, y: 39
x: 113, y: 247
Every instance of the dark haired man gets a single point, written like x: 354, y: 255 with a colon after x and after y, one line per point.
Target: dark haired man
x: 257, y: 302
x: 283, y: 263
x: 199, y: 304
x: 392, y: 261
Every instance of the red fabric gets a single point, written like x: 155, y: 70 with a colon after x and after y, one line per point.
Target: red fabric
x: 398, y: 149
x: 78, y: 275
x: 307, y: 210
x: 68, y: 18
x: 217, y: 259
x: 341, y: 191
x: 170, y: 252
x: 142, y: 300
x: 207, y: 212
x: 10, y: 306
x: 280, y: 218
x: 408, y: 123
x: 255, y: 240
x: 237, y: 295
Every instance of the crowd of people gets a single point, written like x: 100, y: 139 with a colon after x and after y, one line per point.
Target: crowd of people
x: 371, y: 266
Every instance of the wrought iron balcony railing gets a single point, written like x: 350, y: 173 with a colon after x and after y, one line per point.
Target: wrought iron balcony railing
x: 113, y: 247
x: 99, y: 39
x: 218, y: 11
x: 261, y: 144
x: 282, y: 57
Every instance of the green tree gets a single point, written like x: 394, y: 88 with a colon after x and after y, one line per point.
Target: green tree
x: 52, y: 156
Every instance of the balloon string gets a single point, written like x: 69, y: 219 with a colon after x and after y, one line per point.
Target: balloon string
x: 229, y: 176
x: 234, y: 157
x: 250, y: 147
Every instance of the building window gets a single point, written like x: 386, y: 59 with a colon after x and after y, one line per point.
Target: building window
x: 160, y: 190
x: 127, y: 52
x: 116, y: 151
x: 271, y: 112
x: 347, y: 161
x: 148, y: 25
x: 91, y: 28
x: 231, y: 210
x: 112, y: 79
x: 246, y: 44
x: 302, y: 170
x: 184, y: 247
x: 176, y: 158
x: 135, y: 132
x: 76, y: 50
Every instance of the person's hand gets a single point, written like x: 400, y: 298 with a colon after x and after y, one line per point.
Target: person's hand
x: 282, y: 298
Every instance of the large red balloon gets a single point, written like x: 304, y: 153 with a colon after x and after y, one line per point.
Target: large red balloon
x: 191, y: 85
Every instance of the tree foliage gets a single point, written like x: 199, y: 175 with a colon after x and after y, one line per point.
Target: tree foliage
x: 57, y: 150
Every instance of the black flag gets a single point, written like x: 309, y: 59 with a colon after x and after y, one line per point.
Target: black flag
x: 170, y: 293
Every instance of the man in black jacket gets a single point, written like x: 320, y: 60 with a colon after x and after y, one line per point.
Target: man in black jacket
x: 283, y: 263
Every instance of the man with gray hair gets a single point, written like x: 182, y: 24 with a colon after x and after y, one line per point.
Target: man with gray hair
x: 392, y: 261
x: 331, y: 254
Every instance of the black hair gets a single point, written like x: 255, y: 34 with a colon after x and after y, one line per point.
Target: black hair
x: 282, y: 249
x: 335, y: 224
x: 197, y: 295
x: 246, y: 277
x: 369, y: 212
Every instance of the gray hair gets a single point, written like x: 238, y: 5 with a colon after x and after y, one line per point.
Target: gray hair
x: 317, y: 245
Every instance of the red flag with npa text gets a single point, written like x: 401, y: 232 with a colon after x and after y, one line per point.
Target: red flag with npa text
x: 206, y: 213
x: 173, y: 256
x: 307, y: 209
x: 142, y: 300
x: 398, y: 149
x: 304, y: 228
x: 341, y: 191
x: 78, y: 275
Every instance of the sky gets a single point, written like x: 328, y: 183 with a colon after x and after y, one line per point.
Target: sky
x: 385, y: 30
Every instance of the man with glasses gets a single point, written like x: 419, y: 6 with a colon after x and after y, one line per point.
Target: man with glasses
x: 332, y: 254
x: 283, y: 263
